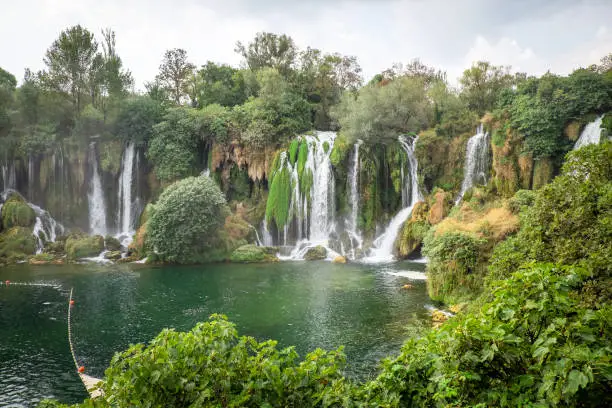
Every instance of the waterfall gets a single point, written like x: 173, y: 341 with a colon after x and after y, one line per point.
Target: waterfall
x: 312, y: 213
x: 125, y: 219
x: 383, y: 245
x: 476, y: 161
x: 46, y: 228
x: 30, y: 177
x: 353, y: 180
x: 266, y: 237
x: 322, y: 192
x: 591, y: 134
x: 97, y: 208
x: 8, y: 175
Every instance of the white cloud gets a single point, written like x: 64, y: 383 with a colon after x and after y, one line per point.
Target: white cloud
x: 505, y: 51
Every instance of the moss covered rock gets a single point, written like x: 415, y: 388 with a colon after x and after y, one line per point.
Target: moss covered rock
x: 42, y: 259
x: 16, y: 244
x: 112, y: 243
x: 253, y: 254
x: 17, y: 213
x: 112, y: 255
x: 316, y: 253
x: 79, y: 246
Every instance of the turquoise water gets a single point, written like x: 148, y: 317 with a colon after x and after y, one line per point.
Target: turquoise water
x: 309, y: 305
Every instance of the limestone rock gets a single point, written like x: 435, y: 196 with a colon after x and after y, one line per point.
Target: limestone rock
x: 316, y: 253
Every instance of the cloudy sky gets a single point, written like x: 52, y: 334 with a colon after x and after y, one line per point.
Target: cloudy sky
x: 531, y: 35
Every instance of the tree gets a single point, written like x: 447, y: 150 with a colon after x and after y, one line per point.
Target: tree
x: 174, y: 74
x: 220, y: 84
x: 482, y: 84
x: 7, y: 89
x: 69, y: 62
x: 117, y: 81
x: 136, y: 118
x: 269, y: 50
x: 186, y: 220
x: 382, y: 113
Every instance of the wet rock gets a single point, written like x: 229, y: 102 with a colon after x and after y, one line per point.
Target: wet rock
x: 316, y: 253
x: 79, y: 246
x: 339, y: 260
x: 112, y: 255
x: 112, y: 243
x: 253, y: 254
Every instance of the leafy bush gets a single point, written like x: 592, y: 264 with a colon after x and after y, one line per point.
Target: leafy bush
x: 211, y: 366
x: 455, y: 268
x: 79, y: 246
x: 529, y: 343
x: 186, y: 220
x: 16, y: 243
x: 569, y: 221
x: 521, y: 199
x: 136, y: 119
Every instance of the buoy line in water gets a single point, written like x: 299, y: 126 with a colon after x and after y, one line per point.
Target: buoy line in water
x: 90, y: 383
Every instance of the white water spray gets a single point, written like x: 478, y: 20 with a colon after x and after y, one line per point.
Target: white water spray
x: 476, y: 161
x: 353, y: 180
x: 125, y: 220
x: 383, y: 245
x: 591, y: 134
x: 97, y: 207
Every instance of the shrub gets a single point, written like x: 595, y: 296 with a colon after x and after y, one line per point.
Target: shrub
x: 521, y: 199
x: 186, y: 220
x: 16, y: 244
x: 252, y: 253
x: 78, y: 246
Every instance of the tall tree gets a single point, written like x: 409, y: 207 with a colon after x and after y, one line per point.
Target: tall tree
x: 482, y: 84
x: 7, y: 89
x: 69, y: 62
x: 174, y: 74
x: 117, y: 80
x: 269, y: 50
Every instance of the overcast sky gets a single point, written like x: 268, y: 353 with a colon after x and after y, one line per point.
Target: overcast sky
x: 531, y: 35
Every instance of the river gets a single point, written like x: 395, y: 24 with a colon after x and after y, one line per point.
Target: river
x: 305, y: 304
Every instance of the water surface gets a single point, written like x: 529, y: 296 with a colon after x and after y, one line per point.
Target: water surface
x: 306, y: 304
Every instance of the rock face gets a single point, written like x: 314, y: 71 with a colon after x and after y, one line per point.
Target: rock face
x: 112, y: 255
x: 254, y: 254
x: 413, y: 231
x: 79, y: 246
x: 316, y: 253
x: 439, y: 207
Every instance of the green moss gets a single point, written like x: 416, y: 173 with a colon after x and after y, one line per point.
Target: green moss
x: 110, y: 156
x: 326, y: 146
x: 606, y: 123
x: 79, y: 246
x: 293, y: 150
x: 302, y: 157
x: 339, y: 151
x: 498, y: 138
x: 412, y: 236
x: 112, y: 243
x: 316, y: 253
x: 277, y: 207
x: 239, y: 184
x: 274, y: 166
x: 253, y: 254
x: 16, y: 244
x: 17, y: 213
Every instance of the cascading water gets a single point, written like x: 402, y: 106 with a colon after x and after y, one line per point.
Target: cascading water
x: 266, y: 237
x: 8, y: 175
x: 97, y: 207
x: 383, y: 245
x: 46, y: 228
x: 125, y: 219
x: 476, y: 161
x: 314, y: 212
x: 591, y: 134
x: 353, y: 180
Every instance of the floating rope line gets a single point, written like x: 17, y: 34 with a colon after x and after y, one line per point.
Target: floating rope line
x: 90, y: 383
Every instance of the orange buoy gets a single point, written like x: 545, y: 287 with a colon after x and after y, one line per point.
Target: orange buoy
x: 71, y: 302
x: 81, y: 369
x: 7, y: 282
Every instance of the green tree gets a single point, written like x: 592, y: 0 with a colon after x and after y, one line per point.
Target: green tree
x: 482, y: 84
x: 221, y: 84
x: 7, y: 90
x: 136, y: 118
x: 383, y: 112
x: 269, y: 50
x: 186, y: 220
x: 174, y: 74
x: 69, y: 62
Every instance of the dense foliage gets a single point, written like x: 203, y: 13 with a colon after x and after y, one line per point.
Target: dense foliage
x: 185, y: 221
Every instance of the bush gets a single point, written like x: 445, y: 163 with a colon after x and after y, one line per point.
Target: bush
x: 569, y: 221
x: 528, y: 344
x: 252, y: 253
x: 521, y: 200
x: 78, y: 246
x: 16, y: 244
x: 455, y: 269
x: 186, y: 220
x: 17, y: 213
x: 211, y: 366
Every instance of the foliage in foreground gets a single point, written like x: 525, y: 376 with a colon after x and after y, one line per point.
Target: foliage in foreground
x: 186, y: 220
